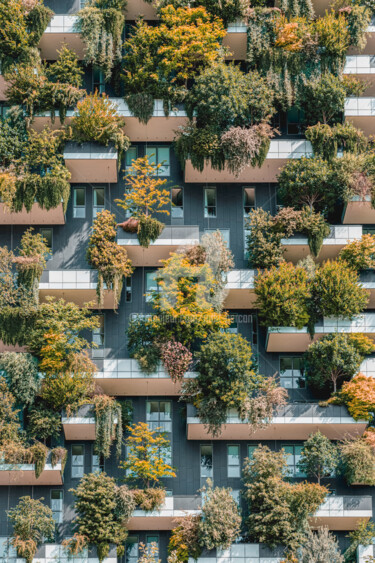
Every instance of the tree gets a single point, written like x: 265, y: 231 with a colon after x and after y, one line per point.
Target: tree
x: 306, y: 181
x: 335, y: 291
x: 32, y: 524
x: 319, y: 457
x: 278, y: 510
x: 263, y: 241
x: 319, y: 547
x: 43, y: 423
x: 66, y: 69
x: 360, y: 253
x: 103, y: 510
x: 358, y: 462
x: 184, y: 540
x: 335, y: 358
x: 21, y: 373
x: 9, y: 421
x: 227, y: 379
x: 322, y: 98
x: 227, y: 10
x: 146, y: 453
x: 363, y: 535
x: 359, y: 397
x: 220, y: 524
x: 282, y: 296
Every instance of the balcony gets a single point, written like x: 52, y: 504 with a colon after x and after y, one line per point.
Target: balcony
x: 362, y: 66
x: 242, y: 553
x: 125, y: 378
x: 292, y: 422
x: 361, y: 112
x: 240, y: 289
x: 297, y: 247
x: 23, y: 474
x: 280, y: 151
x: 137, y: 8
x: 91, y: 163
x: 77, y: 286
x: 359, y: 211
x: 164, y: 519
x: 37, y: 216
x: 291, y: 339
x: 81, y: 425
x: 370, y: 45
x: 342, y: 513
x: 172, y: 238
x: 236, y: 41
x: 62, y: 30
x: 53, y: 553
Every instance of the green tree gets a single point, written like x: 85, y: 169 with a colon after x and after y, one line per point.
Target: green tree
x: 282, y: 296
x: 319, y: 457
x: 21, y: 373
x: 335, y: 291
x: 363, y: 535
x: 264, y: 241
x: 335, y: 358
x: 103, y: 510
x: 320, y: 546
x: 358, y: 462
x: 360, y: 253
x: 146, y: 452
x: 43, y: 423
x: 33, y: 523
x: 9, y: 420
x: 322, y: 98
x: 227, y: 10
x: 227, y: 379
x: 220, y: 524
x: 66, y: 69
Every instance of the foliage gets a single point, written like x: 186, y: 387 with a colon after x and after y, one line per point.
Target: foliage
x: 227, y: 379
x: 360, y: 253
x: 227, y: 10
x: 146, y: 450
x: 149, y: 229
x: 176, y: 359
x: 220, y: 259
x: 101, y: 23
x: 184, y: 539
x: 101, y: 512
x: 31, y: 261
x: 21, y: 374
x: 13, y: 137
x: 335, y: 358
x: 282, y: 296
x: 107, y: 257
x: 143, y: 344
x: 336, y: 292
x: 66, y: 69
x: 244, y: 147
x: 358, y: 461
x: 32, y: 524
x: 359, y: 397
x: 327, y: 140
x: 149, y: 553
x: 264, y: 241
x: 43, y: 423
x: 108, y: 415
x: 149, y: 499
x: 177, y: 50
x: 319, y: 457
x: 363, y: 535
x: 320, y: 546
x: 322, y: 99
x: 220, y: 524
x: 354, y: 176
x: 278, y: 510
x: 96, y: 119
x: 9, y: 421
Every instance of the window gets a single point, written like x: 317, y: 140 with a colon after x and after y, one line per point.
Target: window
x: 131, y: 549
x: 158, y: 415
x: 130, y: 155
x: 236, y: 496
x: 98, y: 339
x: 250, y: 451
x: 79, y: 203
x: 248, y: 200
x: 47, y: 234
x: 128, y: 289
x: 77, y: 461
x: 293, y: 455
x: 98, y: 82
x: 153, y: 540
x: 177, y: 199
x: 57, y: 505
x: 206, y: 463
x: 209, y: 202
x: 98, y: 201
x: 160, y: 156
x: 291, y: 372
x: 97, y: 464
x: 294, y: 118
x: 151, y: 284
x: 233, y: 456
x: 233, y: 327
x: 225, y: 233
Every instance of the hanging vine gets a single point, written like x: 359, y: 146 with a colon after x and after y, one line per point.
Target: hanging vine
x: 108, y: 418
x: 31, y: 261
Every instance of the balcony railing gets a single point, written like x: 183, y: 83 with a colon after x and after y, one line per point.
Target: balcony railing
x: 292, y: 422
x: 37, y: 216
x: 242, y: 553
x: 81, y: 425
x: 240, y: 289
x: 359, y: 210
x: 91, y: 162
x: 22, y: 474
x: 172, y: 238
x: 164, y: 519
x: 61, y: 30
x: 53, y: 553
x: 343, y: 512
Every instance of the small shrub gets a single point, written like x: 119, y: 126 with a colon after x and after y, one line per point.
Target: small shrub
x: 149, y: 499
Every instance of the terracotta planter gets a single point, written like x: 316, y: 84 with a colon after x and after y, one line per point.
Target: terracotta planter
x: 130, y: 225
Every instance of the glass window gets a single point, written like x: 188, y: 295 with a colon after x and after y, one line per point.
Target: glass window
x: 291, y: 372
x: 98, y: 82
x: 294, y: 119
x: 153, y: 540
x: 233, y: 327
x: 250, y: 451
x: 233, y: 455
x: 236, y: 495
x: 98, y: 333
x: 77, y: 461
x: 151, y: 284
x: 293, y: 455
x: 209, y: 202
x: 132, y: 549
x: 177, y: 199
x: 161, y: 157
x: 130, y: 155
x: 79, y: 203
x: 248, y: 200
x: 47, y: 234
x: 158, y: 415
x: 97, y: 464
x: 128, y: 289
x: 206, y: 463
x: 57, y: 505
x: 98, y: 201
